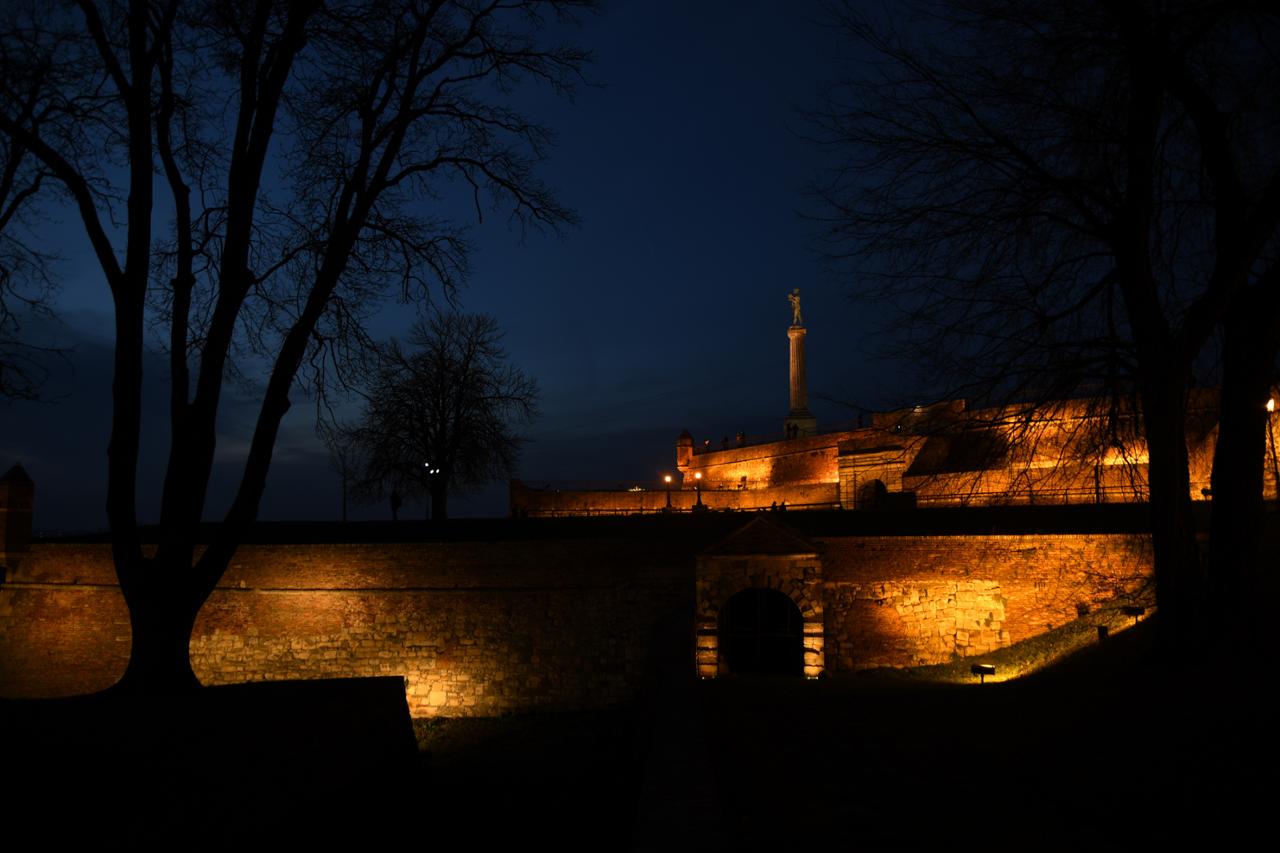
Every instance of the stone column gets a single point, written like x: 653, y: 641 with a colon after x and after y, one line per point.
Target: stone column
x: 707, y: 649
x: 800, y: 422
x: 799, y: 391
x: 814, y: 639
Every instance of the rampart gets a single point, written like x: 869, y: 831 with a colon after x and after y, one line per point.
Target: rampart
x: 474, y: 628
x: 551, y: 502
x: 559, y: 621
x: 795, y: 462
x: 1069, y: 452
x: 910, y: 600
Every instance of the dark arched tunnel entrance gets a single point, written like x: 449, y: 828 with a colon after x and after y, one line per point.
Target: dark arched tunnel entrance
x: 761, y: 632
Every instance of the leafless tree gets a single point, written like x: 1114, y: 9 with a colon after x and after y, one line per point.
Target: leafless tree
x: 441, y: 418
x: 1078, y: 198
x: 342, y: 455
x: 300, y: 146
x: 26, y: 288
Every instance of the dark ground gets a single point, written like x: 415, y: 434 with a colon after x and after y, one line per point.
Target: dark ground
x: 290, y: 765
x: 1100, y: 752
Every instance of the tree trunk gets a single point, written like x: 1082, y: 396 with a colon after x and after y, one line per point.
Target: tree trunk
x: 1249, y: 350
x: 439, y: 500
x: 1179, y: 584
x: 162, y: 616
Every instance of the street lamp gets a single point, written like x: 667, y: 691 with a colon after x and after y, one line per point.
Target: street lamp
x: 1271, y: 438
x: 666, y: 478
x: 697, y: 487
x: 432, y: 472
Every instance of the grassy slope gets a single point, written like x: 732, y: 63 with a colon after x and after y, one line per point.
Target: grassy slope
x: 1099, y: 752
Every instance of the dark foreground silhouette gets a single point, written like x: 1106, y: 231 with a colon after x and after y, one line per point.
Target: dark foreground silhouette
x: 1103, y: 751
x: 295, y: 764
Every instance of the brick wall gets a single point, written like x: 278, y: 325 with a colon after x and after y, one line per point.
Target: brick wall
x: 907, y: 600
x: 535, y: 503
x: 477, y: 629
x: 483, y: 628
x: 799, y: 461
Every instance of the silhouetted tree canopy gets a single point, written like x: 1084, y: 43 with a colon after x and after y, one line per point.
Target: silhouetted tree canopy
x: 255, y: 178
x: 441, y: 418
x: 1078, y: 198
x: 26, y: 288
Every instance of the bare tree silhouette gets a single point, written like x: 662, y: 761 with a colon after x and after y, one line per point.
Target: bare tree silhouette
x: 1080, y: 198
x: 441, y: 418
x: 300, y: 146
x: 26, y: 288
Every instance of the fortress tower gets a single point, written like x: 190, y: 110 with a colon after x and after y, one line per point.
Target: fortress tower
x: 17, y: 493
x: 800, y: 421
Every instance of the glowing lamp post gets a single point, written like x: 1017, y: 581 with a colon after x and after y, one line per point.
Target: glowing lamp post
x: 432, y: 473
x: 666, y: 478
x: 1271, y: 439
x: 697, y: 488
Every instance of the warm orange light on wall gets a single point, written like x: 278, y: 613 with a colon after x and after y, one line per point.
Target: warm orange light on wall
x: 1122, y: 456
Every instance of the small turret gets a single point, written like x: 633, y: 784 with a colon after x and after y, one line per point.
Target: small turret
x: 17, y: 493
x: 684, y: 450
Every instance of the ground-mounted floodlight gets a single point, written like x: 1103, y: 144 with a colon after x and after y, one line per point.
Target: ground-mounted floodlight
x: 1134, y: 610
x: 982, y: 670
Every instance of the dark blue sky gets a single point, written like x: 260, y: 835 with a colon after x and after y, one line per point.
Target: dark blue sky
x: 664, y: 310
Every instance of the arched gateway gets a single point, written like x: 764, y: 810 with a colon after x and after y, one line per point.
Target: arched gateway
x: 759, y: 604
x: 761, y: 632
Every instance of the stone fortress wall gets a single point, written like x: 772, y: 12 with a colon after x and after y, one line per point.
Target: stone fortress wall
x: 941, y: 455
x: 1081, y: 451
x: 565, y: 621
x: 473, y: 628
x: 538, y: 615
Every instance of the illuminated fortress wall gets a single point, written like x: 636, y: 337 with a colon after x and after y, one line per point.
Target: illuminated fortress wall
x: 475, y: 629
x: 549, y: 503
x: 799, y: 462
x: 486, y: 628
x: 910, y: 600
x: 1069, y: 452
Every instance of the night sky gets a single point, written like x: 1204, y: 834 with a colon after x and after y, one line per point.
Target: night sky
x: 664, y: 310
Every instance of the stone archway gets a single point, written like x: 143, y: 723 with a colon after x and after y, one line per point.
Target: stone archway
x: 770, y: 559
x: 873, y: 495
x: 761, y: 632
